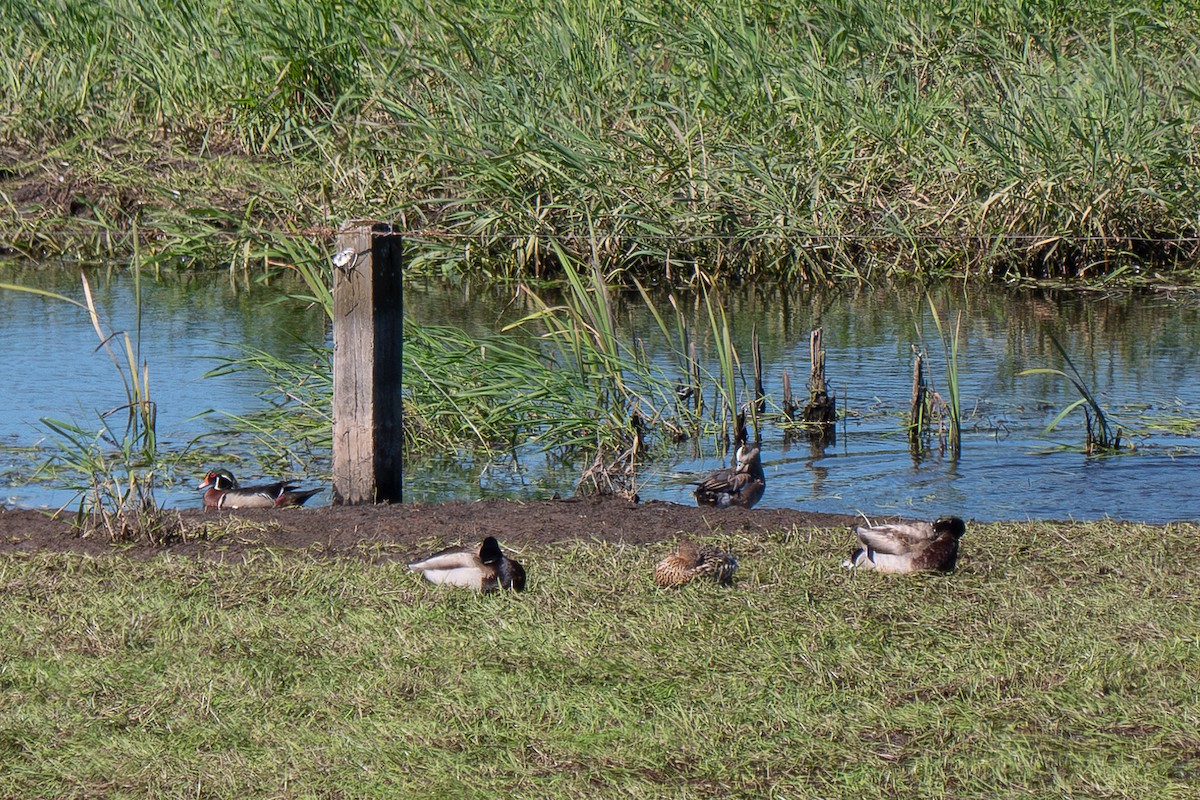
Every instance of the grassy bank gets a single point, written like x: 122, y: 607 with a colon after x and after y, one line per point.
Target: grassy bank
x: 839, y: 140
x: 1060, y: 660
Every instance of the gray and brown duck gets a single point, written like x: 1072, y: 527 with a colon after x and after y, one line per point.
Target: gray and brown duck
x: 743, y: 485
x: 691, y: 561
x: 904, y: 547
x: 483, y: 567
x: 221, y: 490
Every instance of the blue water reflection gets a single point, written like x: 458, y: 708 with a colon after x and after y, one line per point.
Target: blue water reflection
x: 56, y: 369
x: 1139, y: 352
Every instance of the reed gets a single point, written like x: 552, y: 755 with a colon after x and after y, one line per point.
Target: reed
x: 921, y: 411
x: 952, y: 402
x: 825, y: 143
x: 689, y: 394
x: 1100, y: 434
x: 728, y: 364
x: 294, y: 424
x: 611, y: 382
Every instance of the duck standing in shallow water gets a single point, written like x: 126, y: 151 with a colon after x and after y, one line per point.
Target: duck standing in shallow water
x: 909, y: 547
x: 483, y: 568
x: 741, y: 486
x: 221, y: 490
x: 691, y: 561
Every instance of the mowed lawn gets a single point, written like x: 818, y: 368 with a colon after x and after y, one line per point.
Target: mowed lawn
x: 1061, y: 660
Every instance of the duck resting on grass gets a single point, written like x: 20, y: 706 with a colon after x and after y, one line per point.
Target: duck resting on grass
x: 221, y: 490
x: 741, y: 486
x: 905, y: 547
x: 483, y: 567
x: 691, y: 561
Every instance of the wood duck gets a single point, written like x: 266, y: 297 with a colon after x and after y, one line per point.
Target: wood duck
x: 741, y: 486
x: 222, y: 491
x: 691, y: 561
x: 483, y: 567
x: 909, y: 547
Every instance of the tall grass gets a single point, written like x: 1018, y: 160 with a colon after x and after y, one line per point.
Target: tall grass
x: 563, y: 379
x: 818, y: 142
x: 952, y: 402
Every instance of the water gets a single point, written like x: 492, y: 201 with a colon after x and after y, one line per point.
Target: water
x: 55, y: 369
x: 1137, y: 352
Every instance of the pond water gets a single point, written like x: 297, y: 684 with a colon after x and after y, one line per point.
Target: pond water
x: 57, y: 371
x: 1137, y: 352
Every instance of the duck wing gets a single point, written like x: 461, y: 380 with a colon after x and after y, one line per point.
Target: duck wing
x: 467, y: 577
x: 896, y: 539
x: 454, y: 566
x: 718, y: 481
x: 449, y: 559
x: 264, y: 496
x: 717, y: 488
x: 690, y: 561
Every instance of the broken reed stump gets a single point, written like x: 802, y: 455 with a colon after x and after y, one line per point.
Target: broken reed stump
x: 789, y: 399
x: 821, y: 409
x: 920, y: 410
x: 368, y: 354
x: 760, y: 396
x: 928, y: 410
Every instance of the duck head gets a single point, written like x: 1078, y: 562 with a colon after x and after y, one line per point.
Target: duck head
x: 952, y: 526
x: 509, y: 573
x: 746, y: 456
x: 221, y: 480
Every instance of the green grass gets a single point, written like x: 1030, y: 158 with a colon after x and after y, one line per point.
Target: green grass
x: 833, y: 140
x: 1060, y: 660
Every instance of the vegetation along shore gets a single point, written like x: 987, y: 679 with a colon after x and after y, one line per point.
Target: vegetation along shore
x: 820, y: 141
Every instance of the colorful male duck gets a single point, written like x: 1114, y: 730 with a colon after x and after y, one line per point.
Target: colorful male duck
x: 691, y: 561
x: 741, y: 486
x: 222, y: 491
x: 909, y: 547
x: 483, y: 568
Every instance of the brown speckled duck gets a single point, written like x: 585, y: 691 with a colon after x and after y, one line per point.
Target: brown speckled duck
x: 691, y: 561
x: 482, y: 567
x: 741, y: 486
x: 221, y: 490
x: 909, y: 546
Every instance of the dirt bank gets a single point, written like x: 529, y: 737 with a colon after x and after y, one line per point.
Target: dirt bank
x: 331, y: 531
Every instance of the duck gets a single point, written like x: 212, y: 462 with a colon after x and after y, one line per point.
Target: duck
x: 741, y: 486
x: 905, y: 547
x: 483, y: 567
x: 221, y: 490
x: 691, y: 561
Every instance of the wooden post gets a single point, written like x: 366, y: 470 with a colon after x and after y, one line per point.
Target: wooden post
x: 368, y: 349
